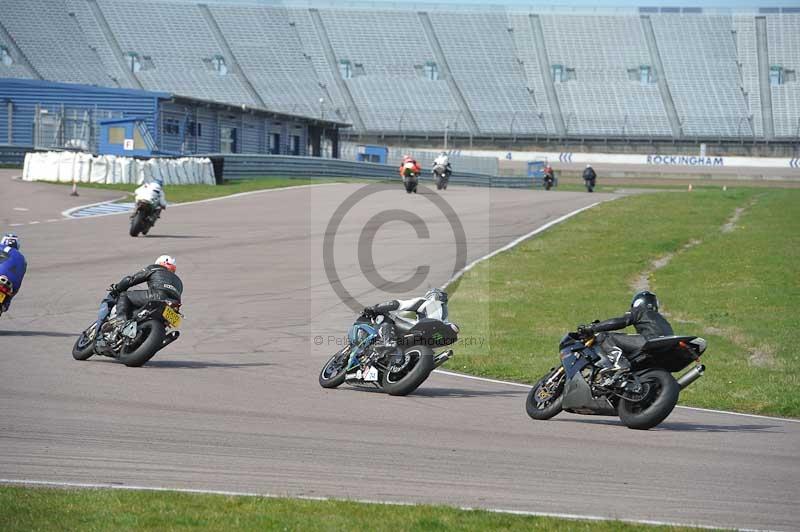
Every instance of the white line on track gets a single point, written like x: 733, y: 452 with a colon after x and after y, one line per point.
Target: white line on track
x: 21, y: 209
x: 573, y: 517
x: 68, y: 213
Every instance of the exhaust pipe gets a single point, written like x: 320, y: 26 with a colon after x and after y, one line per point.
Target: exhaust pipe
x: 690, y: 376
x: 441, y: 358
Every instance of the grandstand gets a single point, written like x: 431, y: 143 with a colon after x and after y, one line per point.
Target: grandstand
x: 638, y: 74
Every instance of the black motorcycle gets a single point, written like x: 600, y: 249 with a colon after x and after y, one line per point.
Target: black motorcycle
x: 135, y: 341
x: 360, y: 363
x: 441, y: 176
x: 642, y: 397
x: 549, y: 181
x: 144, y: 217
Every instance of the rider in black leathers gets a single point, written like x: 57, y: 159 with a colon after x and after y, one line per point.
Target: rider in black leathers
x: 615, y: 347
x: 162, y: 285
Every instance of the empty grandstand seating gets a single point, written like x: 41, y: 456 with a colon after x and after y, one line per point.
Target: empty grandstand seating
x: 602, y: 99
x: 52, y: 41
x: 699, y: 58
x: 783, y: 32
x: 179, y: 44
x: 480, y: 71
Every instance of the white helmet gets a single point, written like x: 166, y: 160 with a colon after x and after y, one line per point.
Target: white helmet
x: 167, y: 262
x: 588, y: 166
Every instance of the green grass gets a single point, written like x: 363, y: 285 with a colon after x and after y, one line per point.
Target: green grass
x: 184, y: 193
x: 29, y: 509
x: 739, y: 290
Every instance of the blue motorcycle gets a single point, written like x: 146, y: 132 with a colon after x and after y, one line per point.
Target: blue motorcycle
x: 361, y: 363
x: 642, y: 397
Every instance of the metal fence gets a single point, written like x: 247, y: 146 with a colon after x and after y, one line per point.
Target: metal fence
x: 255, y: 166
x: 60, y: 127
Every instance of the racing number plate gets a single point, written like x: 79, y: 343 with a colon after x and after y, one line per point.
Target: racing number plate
x: 172, y: 317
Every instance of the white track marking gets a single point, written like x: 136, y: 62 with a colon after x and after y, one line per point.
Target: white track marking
x: 515, y: 243
x: 33, y: 223
x: 68, y: 212
x: 21, y: 209
x: 572, y: 517
x: 528, y: 386
x: 15, y: 225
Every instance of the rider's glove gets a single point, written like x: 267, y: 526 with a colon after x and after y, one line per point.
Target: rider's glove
x: 585, y: 331
x: 113, y: 291
x: 369, y: 312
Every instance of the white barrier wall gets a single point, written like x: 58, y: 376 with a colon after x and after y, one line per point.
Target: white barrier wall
x: 67, y: 166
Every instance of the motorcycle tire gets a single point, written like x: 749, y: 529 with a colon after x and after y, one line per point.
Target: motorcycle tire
x: 411, y: 379
x: 337, y: 378
x: 136, y: 224
x: 83, y: 350
x: 550, y: 409
x: 656, y: 405
x: 154, y: 334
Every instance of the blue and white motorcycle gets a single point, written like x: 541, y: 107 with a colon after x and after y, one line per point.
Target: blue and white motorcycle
x: 359, y: 363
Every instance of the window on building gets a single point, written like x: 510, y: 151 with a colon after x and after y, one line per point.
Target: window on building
x: 431, y: 71
x: 138, y: 140
x: 116, y: 135
x: 275, y: 143
x: 172, y: 127
x: 227, y: 139
x: 358, y: 69
x: 345, y: 69
x: 5, y: 56
x: 133, y: 62
x: 195, y: 129
x: 646, y: 76
x: 294, y: 145
x: 558, y: 73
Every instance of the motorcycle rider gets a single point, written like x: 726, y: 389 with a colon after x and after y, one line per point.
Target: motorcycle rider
x: 432, y: 305
x: 152, y: 192
x: 615, y: 347
x: 589, y: 177
x: 549, y: 176
x: 162, y: 285
x: 443, y: 160
x: 409, y: 163
x: 12, y: 268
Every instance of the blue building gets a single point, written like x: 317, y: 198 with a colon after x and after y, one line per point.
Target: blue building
x: 45, y: 114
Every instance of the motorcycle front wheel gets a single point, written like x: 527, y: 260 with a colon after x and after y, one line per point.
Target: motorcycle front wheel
x: 404, y: 379
x: 660, y: 398
x: 84, y: 345
x: 544, y: 400
x: 137, y: 223
x: 150, y: 337
x: 335, y: 370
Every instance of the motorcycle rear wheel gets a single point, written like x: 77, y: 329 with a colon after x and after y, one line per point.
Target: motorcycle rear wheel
x: 149, y: 339
x: 655, y: 406
x: 551, y: 406
x: 412, y: 374
x: 328, y: 379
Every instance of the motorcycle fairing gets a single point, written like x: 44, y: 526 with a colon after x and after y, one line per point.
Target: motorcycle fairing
x: 578, y: 398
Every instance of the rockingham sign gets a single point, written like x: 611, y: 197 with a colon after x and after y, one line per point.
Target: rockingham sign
x: 685, y: 160
x: 654, y: 159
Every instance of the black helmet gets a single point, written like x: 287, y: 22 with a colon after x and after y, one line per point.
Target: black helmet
x: 646, y: 298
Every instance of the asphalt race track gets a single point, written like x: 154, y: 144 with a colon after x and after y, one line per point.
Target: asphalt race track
x: 235, y: 404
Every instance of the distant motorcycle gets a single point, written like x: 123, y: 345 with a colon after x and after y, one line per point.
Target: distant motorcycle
x: 144, y: 217
x: 359, y: 364
x: 642, y: 397
x: 549, y: 181
x: 135, y: 341
x: 441, y: 175
x: 410, y: 177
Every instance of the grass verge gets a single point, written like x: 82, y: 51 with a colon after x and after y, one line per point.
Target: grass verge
x: 27, y: 509
x: 184, y: 193
x: 738, y: 288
